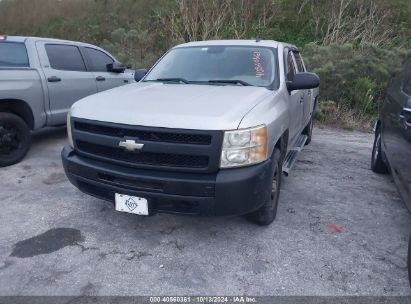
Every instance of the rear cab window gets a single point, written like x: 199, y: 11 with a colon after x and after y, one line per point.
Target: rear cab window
x: 65, y: 57
x: 13, y: 55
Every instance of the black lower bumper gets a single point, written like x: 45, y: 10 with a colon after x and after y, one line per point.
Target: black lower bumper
x: 228, y: 192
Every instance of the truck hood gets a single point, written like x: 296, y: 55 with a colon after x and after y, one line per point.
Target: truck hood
x: 183, y: 106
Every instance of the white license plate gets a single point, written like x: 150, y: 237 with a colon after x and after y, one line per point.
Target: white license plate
x: 131, y: 204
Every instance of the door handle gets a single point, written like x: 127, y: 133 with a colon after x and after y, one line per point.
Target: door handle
x: 53, y: 79
x: 100, y: 78
x: 302, y: 99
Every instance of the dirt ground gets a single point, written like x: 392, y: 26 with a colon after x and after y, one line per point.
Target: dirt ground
x: 340, y: 230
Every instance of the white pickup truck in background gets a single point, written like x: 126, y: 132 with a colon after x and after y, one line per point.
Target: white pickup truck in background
x: 40, y: 79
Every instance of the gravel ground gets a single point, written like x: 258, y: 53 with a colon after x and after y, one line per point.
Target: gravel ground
x: 340, y: 230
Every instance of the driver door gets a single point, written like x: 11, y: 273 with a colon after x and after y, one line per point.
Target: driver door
x: 67, y: 78
x: 98, y: 61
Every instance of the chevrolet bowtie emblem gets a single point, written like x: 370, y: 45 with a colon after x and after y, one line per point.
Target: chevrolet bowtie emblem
x: 130, y: 145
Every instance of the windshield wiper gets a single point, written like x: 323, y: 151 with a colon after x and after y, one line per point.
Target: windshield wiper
x: 230, y: 81
x: 173, y: 80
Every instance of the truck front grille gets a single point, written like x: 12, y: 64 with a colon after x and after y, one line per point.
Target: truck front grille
x: 164, y: 148
x: 144, y: 158
x: 148, y: 135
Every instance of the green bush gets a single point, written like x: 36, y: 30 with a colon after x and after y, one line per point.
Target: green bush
x: 354, y: 78
x: 363, y: 95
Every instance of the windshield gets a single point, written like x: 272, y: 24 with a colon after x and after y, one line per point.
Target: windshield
x: 223, y: 65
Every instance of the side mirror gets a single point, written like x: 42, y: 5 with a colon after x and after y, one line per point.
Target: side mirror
x: 116, y: 67
x: 304, y: 81
x: 139, y: 74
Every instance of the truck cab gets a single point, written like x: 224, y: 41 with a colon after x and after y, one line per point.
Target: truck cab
x: 40, y: 79
x: 205, y: 132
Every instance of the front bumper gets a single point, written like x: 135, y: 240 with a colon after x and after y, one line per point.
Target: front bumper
x: 228, y: 192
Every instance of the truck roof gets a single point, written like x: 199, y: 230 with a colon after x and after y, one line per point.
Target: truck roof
x: 25, y: 38
x: 255, y: 42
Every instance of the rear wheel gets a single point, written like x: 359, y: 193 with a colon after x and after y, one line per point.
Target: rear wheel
x: 15, y: 139
x: 267, y: 213
x: 308, y: 130
x: 378, y: 164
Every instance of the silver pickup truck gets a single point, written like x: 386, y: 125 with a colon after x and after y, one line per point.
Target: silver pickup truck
x: 39, y: 81
x: 209, y: 130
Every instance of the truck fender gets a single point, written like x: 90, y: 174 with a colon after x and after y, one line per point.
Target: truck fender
x: 20, y: 108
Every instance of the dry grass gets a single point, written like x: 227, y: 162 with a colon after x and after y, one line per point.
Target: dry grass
x: 332, y: 114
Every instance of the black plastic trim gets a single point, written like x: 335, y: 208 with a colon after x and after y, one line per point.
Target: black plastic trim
x: 227, y: 192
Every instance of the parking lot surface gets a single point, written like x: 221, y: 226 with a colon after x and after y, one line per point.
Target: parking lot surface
x: 340, y: 230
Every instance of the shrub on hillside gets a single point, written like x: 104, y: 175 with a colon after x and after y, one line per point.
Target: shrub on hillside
x: 354, y: 78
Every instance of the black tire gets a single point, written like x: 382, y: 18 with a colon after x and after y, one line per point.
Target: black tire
x: 378, y: 164
x: 308, y: 130
x: 266, y: 214
x: 15, y: 139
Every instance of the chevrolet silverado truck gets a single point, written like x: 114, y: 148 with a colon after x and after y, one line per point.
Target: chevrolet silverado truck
x: 208, y: 130
x: 40, y: 79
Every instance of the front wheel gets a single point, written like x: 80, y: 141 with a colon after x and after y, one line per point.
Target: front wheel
x: 378, y: 164
x: 267, y: 213
x: 15, y: 139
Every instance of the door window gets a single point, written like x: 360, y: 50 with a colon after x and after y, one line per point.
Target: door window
x: 65, y: 57
x: 99, y: 60
x: 299, y: 62
x: 13, y: 54
x: 290, y: 67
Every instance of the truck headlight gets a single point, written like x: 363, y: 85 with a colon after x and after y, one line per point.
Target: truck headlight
x: 69, y: 134
x: 244, y: 147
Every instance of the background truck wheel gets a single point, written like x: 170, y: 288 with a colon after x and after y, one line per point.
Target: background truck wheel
x: 15, y: 139
x: 378, y: 164
x: 308, y: 130
x: 267, y: 213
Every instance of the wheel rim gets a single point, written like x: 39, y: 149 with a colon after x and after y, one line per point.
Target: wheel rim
x: 9, y: 139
